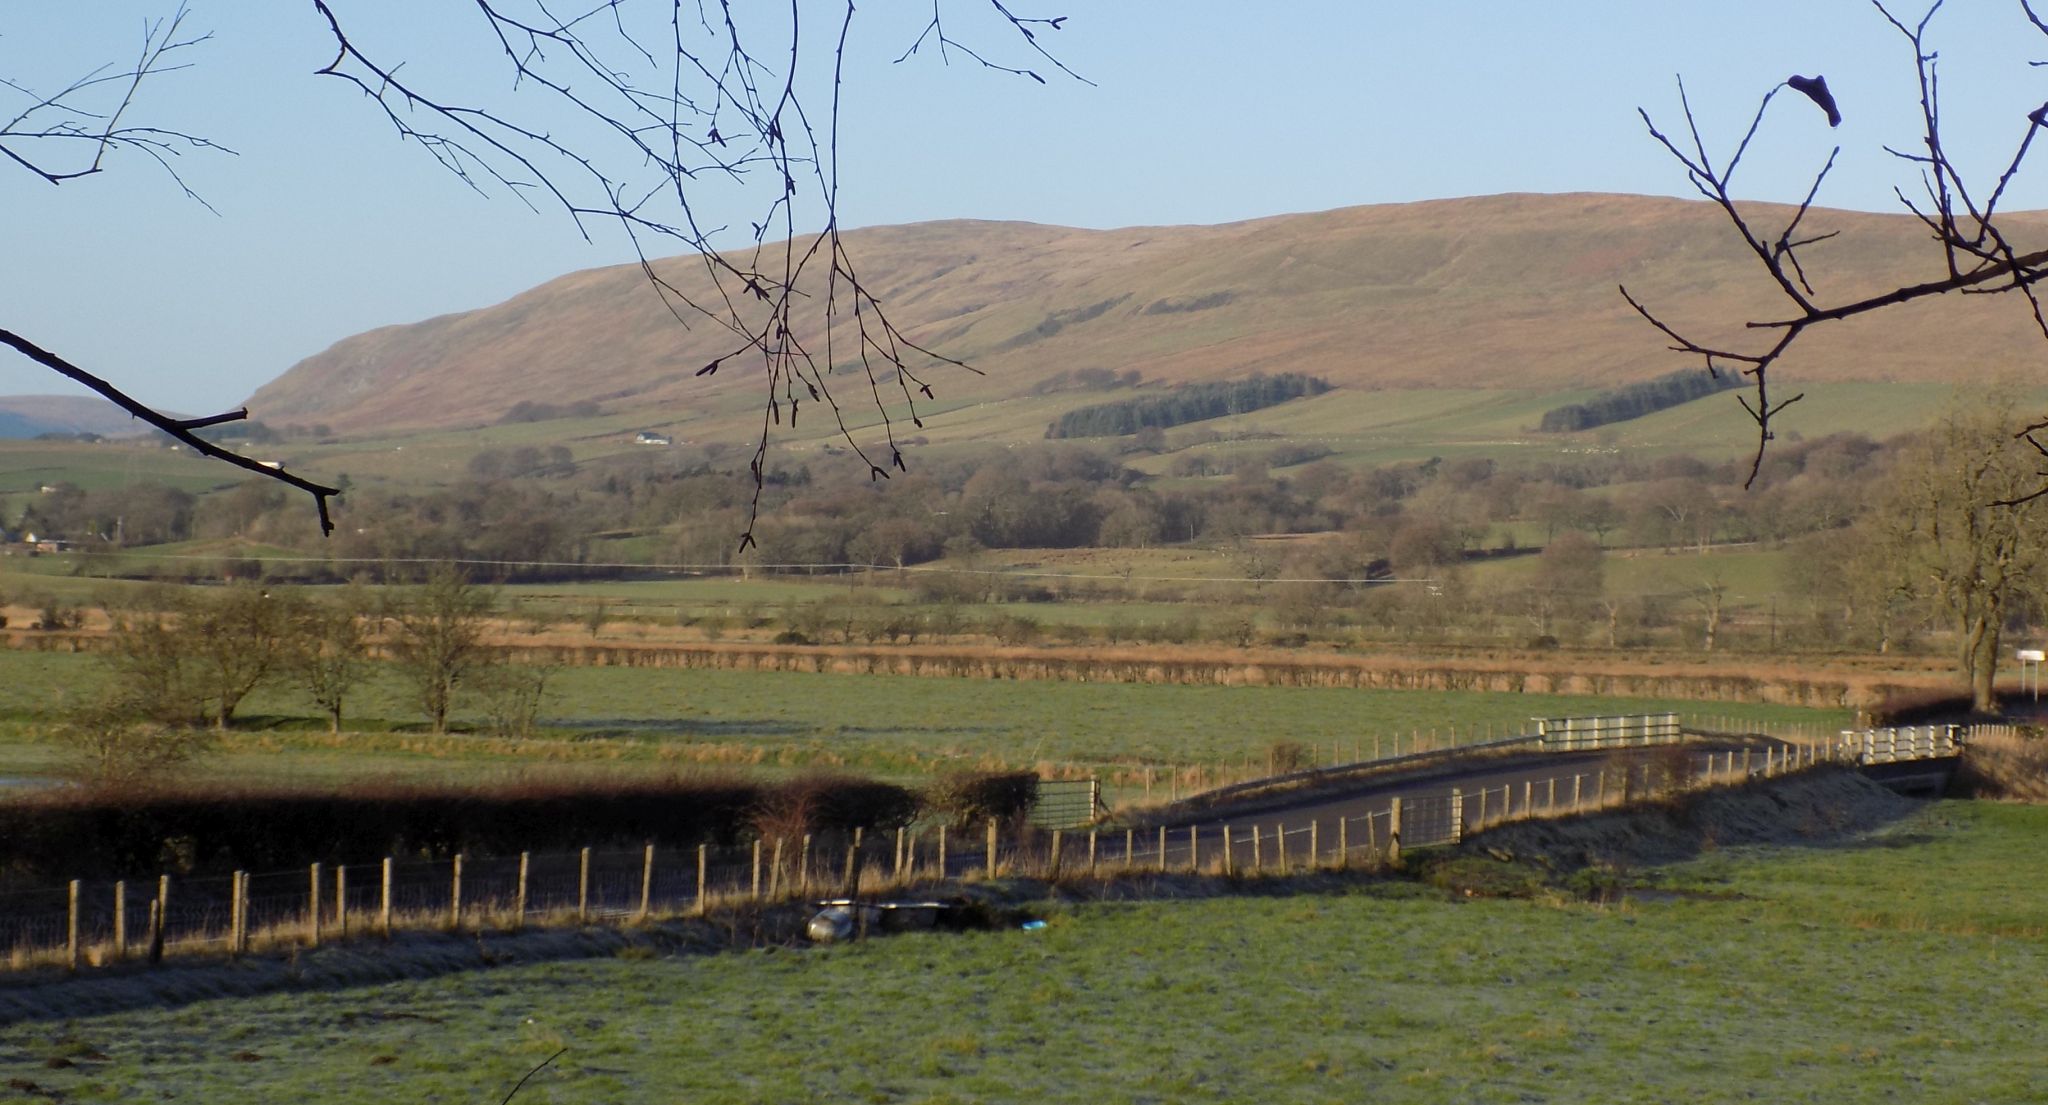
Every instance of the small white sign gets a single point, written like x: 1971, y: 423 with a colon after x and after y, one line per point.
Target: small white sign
x: 2033, y: 655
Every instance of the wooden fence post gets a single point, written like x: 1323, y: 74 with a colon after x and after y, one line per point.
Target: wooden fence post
x: 1394, y: 830
x: 849, y: 886
x: 239, y: 913
x: 1162, y: 849
x: 341, y: 899
x: 775, y: 871
x: 583, y: 886
x: 757, y: 869
x: 1280, y: 845
x: 1343, y: 843
x: 1130, y: 849
x: 1457, y: 816
x: 71, y: 928
x: 1528, y: 798
x: 120, y: 920
x: 1550, y: 795
x: 519, y: 901
x: 1194, y: 849
x: 803, y: 871
x: 703, y: 882
x: 384, y: 901
x: 1091, y: 850
x: 647, y: 883
x: 1576, y: 804
x: 1315, y: 843
x: 160, y: 919
x: 991, y: 848
x: 1258, y: 860
x: 1054, y: 874
x: 899, y: 852
x: 455, y: 895
x: 313, y: 905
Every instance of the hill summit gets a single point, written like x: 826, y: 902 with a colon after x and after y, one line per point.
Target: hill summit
x: 1494, y: 291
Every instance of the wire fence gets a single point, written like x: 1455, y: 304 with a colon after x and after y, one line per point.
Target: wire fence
x: 84, y: 923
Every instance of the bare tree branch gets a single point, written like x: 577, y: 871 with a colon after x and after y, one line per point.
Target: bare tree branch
x: 661, y: 132
x: 637, y: 114
x: 1977, y: 256
x: 68, y: 134
x: 181, y: 429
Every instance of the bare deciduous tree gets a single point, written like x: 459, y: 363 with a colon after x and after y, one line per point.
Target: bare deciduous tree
x: 330, y: 652
x: 439, y: 639
x: 1963, y: 495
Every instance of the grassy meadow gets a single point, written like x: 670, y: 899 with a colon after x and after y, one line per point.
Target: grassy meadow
x: 906, y: 727
x: 1898, y: 966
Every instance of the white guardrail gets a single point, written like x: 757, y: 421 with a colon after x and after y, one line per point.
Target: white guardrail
x: 1911, y: 742
x: 1583, y: 734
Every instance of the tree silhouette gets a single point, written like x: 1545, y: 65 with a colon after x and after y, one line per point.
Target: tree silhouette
x: 628, y: 113
x: 1976, y: 254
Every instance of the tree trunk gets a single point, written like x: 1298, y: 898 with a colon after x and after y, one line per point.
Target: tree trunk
x: 1980, y: 661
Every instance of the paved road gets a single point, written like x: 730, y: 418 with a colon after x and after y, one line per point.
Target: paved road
x: 1361, y: 818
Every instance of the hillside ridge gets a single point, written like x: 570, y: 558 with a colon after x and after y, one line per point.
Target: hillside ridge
x: 1511, y: 290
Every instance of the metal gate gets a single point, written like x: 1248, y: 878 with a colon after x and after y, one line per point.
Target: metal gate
x: 1066, y: 803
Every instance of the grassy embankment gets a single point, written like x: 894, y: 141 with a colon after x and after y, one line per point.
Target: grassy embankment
x: 1892, y: 967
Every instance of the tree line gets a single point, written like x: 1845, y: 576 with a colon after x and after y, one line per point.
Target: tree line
x: 1636, y: 400
x: 182, y: 662
x: 1183, y: 404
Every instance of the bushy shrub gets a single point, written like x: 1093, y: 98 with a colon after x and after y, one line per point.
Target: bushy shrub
x: 134, y: 829
x: 1285, y: 756
x: 966, y: 800
x: 831, y: 803
x: 1013, y: 629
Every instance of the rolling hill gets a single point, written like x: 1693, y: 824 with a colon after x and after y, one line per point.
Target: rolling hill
x: 31, y: 415
x: 1510, y: 291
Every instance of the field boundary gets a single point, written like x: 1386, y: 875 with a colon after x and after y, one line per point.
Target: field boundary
x: 84, y: 927
x: 1206, y: 666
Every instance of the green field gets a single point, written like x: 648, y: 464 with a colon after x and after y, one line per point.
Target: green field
x: 1903, y: 967
x: 1362, y: 427
x: 644, y: 719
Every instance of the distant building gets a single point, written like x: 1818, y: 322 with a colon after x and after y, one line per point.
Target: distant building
x: 649, y: 437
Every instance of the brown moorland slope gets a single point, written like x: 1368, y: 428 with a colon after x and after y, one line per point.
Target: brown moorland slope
x: 1494, y: 291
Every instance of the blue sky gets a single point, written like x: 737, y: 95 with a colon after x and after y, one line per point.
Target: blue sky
x: 1199, y: 112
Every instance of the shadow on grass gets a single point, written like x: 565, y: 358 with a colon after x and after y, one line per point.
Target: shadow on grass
x: 741, y: 728
x: 695, y: 728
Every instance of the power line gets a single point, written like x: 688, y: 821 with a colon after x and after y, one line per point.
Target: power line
x: 724, y: 569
